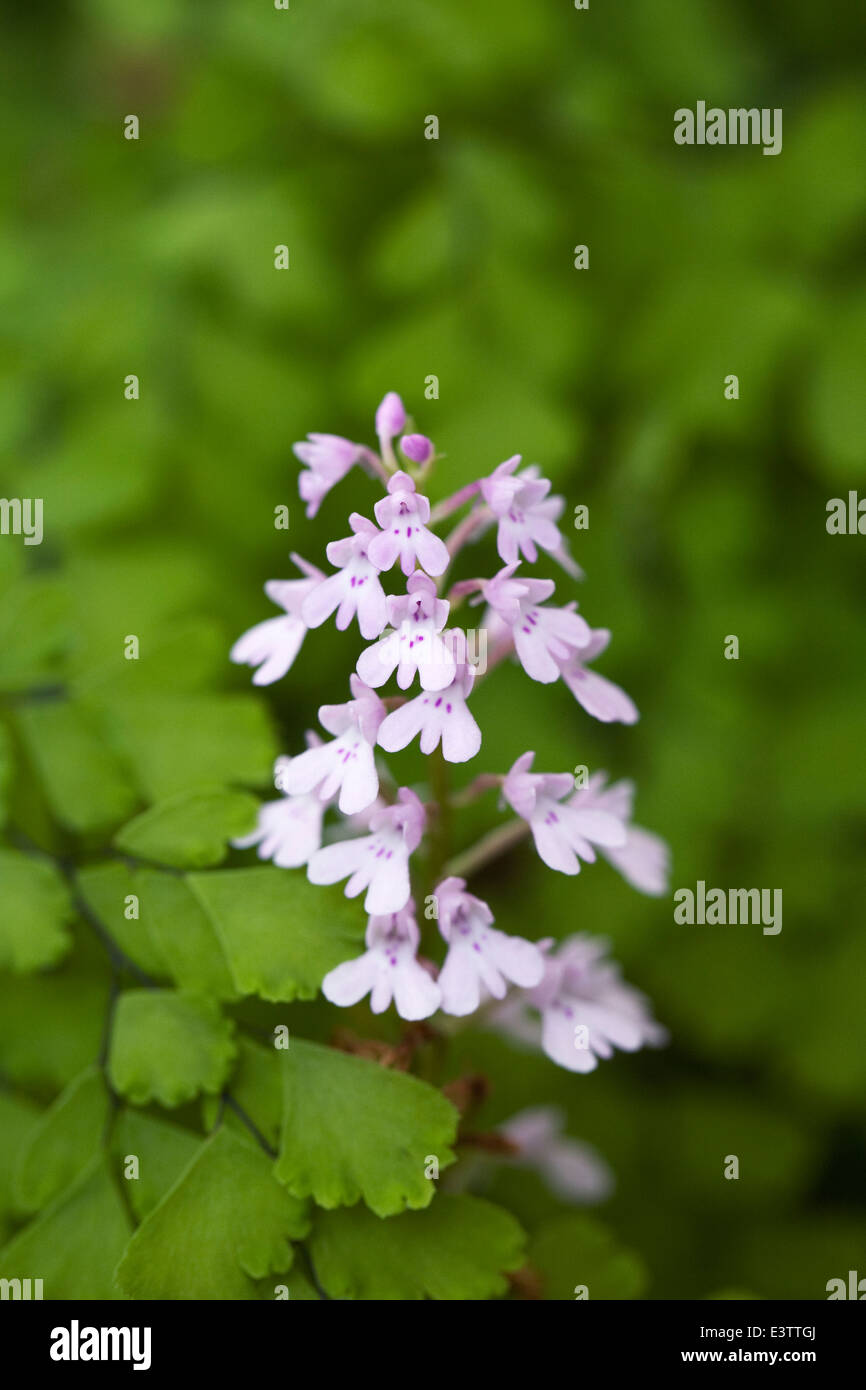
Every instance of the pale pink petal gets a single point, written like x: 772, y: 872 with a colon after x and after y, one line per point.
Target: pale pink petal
x: 272, y: 646
x: 608, y: 1025
x: 598, y: 643
x: 321, y: 601
x: 558, y: 1041
x: 520, y: 961
x: 349, y: 982
x: 458, y: 984
x: 384, y: 549
x: 506, y: 544
x: 532, y: 649
x: 360, y: 783
x: 431, y: 551
x: 576, y: 1173
x: 599, y: 827
x: 553, y: 847
x: 643, y: 861
x: 372, y: 609
x: 461, y: 736
x: 376, y: 664
x: 307, y: 770
x: 333, y: 862
x: 400, y: 726
x: 415, y: 993
x: 389, y: 888
x: 436, y: 666
x: 600, y: 697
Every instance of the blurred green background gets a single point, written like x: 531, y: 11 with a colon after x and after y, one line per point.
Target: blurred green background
x: 454, y: 257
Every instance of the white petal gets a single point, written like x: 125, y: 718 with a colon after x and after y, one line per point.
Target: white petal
x: 323, y: 599
x: 376, y: 664
x: 360, y: 781
x: 600, y: 697
x: 520, y: 961
x: 389, y: 887
x: 553, y: 847
x: 461, y: 736
x: 415, y: 994
x: 349, y: 982
x: 333, y: 862
x: 372, y: 608
x: 437, y: 667
x: 557, y: 1040
x: 308, y: 769
x: 402, y: 725
x: 458, y: 982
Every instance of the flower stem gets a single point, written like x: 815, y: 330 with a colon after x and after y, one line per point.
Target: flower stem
x: 441, y: 830
x: 374, y: 465
x: 462, y: 531
x: 488, y: 848
x: 451, y: 504
x: 484, y: 782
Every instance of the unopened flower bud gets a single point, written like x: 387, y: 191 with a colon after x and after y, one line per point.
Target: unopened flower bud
x: 390, y: 417
x: 417, y: 447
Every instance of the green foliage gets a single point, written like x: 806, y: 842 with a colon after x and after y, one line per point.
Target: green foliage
x: 162, y: 1152
x: 256, y: 1086
x: 64, y: 1141
x: 18, y: 1114
x: 83, y: 781
x: 224, y: 1223
x: 33, y: 632
x: 184, y: 934
x: 160, y: 925
x: 6, y: 766
x: 579, y: 1252
x: 280, y: 934
x: 354, y: 1129
x: 51, y: 1024
x: 457, y: 1250
x: 189, y: 831
x: 185, y: 743
x: 75, y: 1243
x: 36, y: 910
x: 168, y: 1047
x: 159, y: 979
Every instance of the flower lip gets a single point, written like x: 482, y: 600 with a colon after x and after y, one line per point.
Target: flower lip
x: 478, y: 955
x: 355, y: 590
x: 437, y: 717
x: 388, y: 969
x: 403, y: 515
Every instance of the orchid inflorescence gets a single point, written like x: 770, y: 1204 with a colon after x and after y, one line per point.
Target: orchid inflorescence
x: 585, y: 1008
